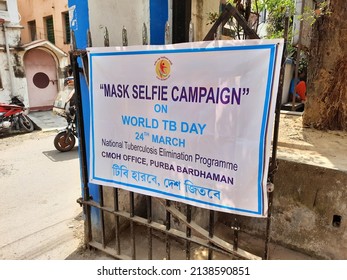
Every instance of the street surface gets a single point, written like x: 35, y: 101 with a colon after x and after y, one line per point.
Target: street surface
x: 39, y: 216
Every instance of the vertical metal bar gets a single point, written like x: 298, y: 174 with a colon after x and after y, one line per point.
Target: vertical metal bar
x: 106, y: 38
x: 89, y: 39
x: 188, y: 231
x: 149, y: 229
x: 211, y: 233
x: 144, y: 35
x: 191, y: 31
x: 116, y: 209
x: 82, y: 148
x: 273, y: 163
x: 132, y: 229
x: 236, y: 229
x: 102, y: 220
x: 168, y: 38
x: 124, y: 37
x: 168, y: 226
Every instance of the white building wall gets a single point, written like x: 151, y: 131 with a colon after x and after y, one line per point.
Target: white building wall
x: 11, y: 28
x: 11, y: 15
x: 114, y: 14
x: 13, y: 11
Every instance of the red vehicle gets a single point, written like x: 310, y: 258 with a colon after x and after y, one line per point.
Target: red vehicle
x: 13, y: 117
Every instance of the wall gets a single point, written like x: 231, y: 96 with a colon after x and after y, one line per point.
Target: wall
x: 306, y: 23
x: 303, y: 211
x: 114, y: 15
x: 37, y: 10
x: 11, y: 15
x: 10, y: 65
x: 200, y: 10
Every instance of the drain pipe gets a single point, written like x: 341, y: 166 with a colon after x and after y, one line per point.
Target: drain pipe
x: 10, y: 68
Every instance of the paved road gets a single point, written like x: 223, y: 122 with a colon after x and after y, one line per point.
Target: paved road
x: 39, y: 216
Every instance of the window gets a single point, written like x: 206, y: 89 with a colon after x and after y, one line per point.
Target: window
x: 3, y: 5
x: 49, y: 29
x: 32, y: 30
x: 66, y: 28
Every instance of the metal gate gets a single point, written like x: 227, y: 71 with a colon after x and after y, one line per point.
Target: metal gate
x: 129, y: 228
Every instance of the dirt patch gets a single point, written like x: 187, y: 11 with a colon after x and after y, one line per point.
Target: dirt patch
x: 311, y: 146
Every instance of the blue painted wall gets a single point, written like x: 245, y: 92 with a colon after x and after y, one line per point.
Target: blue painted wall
x: 80, y: 21
x: 159, y: 14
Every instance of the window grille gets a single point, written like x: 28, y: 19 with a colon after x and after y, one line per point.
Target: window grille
x: 50, y: 29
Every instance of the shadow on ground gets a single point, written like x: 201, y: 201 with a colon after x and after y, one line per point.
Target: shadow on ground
x: 57, y: 156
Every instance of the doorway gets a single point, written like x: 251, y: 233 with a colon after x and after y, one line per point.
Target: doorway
x: 41, y: 74
x: 181, y: 16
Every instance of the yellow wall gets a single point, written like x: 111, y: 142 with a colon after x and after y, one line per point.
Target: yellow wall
x: 200, y: 10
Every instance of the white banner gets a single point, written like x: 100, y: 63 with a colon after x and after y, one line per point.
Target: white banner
x: 188, y: 122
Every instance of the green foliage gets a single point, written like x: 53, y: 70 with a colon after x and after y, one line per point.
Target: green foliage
x: 275, y: 7
x: 276, y: 14
x: 311, y: 15
x: 212, y: 17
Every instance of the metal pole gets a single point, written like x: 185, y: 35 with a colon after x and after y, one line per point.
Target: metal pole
x: 144, y: 35
x: 168, y: 227
x: 149, y: 229
x: 298, y: 56
x: 116, y: 209
x: 188, y: 231
x: 124, y: 37
x: 82, y: 149
x: 211, y: 233
x: 132, y: 226
x: 273, y: 163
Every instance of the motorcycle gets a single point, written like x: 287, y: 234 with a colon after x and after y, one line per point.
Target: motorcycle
x: 13, y: 116
x: 64, y: 106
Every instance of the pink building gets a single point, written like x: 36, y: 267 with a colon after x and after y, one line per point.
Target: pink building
x: 45, y: 37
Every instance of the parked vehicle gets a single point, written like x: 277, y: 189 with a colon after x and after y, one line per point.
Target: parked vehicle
x: 64, y: 106
x: 13, y: 116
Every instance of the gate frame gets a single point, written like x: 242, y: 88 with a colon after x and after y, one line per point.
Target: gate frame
x: 213, y: 243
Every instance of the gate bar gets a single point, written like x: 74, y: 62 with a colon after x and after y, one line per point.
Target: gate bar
x: 227, y: 250
x: 188, y: 230
x: 102, y: 218
x: 168, y: 227
x: 132, y: 230
x: 214, y: 240
x: 211, y: 233
x: 149, y: 230
x: 116, y: 209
